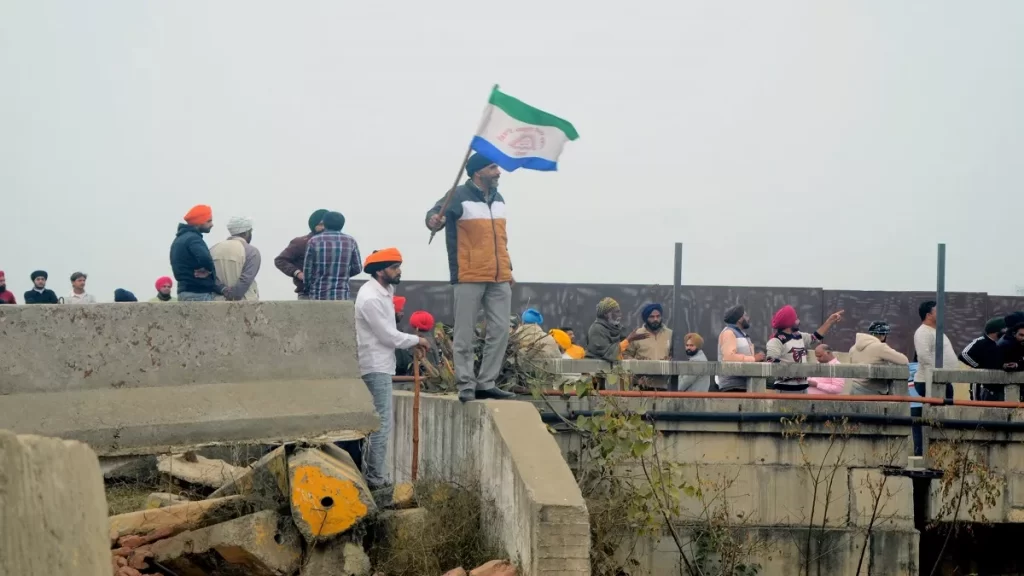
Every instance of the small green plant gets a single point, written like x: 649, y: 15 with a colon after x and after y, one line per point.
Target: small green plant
x: 632, y: 493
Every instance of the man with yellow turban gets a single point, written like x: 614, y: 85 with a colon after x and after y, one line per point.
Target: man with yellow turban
x: 570, y: 351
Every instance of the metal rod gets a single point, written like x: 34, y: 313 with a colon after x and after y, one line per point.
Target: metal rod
x: 940, y: 313
x: 416, y: 414
x: 676, y: 308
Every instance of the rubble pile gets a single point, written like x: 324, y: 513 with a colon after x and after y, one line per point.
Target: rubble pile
x: 300, y: 509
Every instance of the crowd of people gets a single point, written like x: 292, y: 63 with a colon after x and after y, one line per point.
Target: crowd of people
x: 321, y: 263
x: 999, y: 347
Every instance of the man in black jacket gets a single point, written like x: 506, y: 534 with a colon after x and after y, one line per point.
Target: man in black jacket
x: 983, y: 353
x: 40, y: 294
x: 190, y: 258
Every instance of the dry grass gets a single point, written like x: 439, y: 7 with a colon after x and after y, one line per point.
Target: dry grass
x: 452, y: 534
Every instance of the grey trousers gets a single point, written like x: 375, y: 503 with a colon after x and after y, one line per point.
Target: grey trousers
x: 496, y: 301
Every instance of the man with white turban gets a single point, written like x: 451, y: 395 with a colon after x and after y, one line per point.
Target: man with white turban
x: 237, y: 261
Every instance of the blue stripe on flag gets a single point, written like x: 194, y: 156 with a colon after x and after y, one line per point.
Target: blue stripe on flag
x: 508, y: 163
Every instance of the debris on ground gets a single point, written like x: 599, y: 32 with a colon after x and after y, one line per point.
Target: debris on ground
x: 197, y: 470
x: 163, y: 499
x: 300, y: 509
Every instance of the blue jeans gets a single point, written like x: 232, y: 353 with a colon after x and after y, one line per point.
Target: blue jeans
x: 195, y: 296
x: 376, y: 457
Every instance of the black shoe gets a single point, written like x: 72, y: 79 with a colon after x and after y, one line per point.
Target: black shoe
x: 494, y: 394
x: 466, y: 396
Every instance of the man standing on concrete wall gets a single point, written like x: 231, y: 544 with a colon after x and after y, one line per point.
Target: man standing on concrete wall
x: 78, y: 294
x: 6, y: 296
x: 291, y: 260
x: 164, y: 285
x: 481, y: 271
x: 40, y: 294
x: 237, y: 261
x: 377, y: 338
x: 331, y: 259
x: 190, y: 258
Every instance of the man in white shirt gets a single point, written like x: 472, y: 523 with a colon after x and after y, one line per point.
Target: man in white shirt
x: 237, y: 261
x: 78, y: 294
x: 377, y: 338
x: 924, y: 345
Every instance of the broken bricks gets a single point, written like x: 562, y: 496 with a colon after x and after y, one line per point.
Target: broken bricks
x: 327, y: 492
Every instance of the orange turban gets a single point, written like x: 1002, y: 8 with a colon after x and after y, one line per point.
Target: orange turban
x: 381, y: 259
x: 563, y: 340
x: 697, y: 340
x: 199, y: 214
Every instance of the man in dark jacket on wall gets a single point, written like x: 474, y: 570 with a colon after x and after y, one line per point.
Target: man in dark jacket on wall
x: 605, y: 339
x: 190, y: 258
x: 983, y: 353
x: 291, y: 260
x: 40, y: 294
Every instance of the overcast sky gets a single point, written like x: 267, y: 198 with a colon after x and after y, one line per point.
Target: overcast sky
x: 815, y: 143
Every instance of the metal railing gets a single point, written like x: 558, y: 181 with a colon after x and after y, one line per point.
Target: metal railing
x: 758, y: 372
x: 1009, y: 381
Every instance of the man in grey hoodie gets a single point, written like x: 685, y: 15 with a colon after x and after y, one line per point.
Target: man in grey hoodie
x: 693, y: 344
x: 870, y: 348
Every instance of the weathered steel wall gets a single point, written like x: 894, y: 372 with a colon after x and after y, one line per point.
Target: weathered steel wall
x: 702, y: 307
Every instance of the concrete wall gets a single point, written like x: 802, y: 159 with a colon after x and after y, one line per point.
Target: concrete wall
x: 1002, y: 453
x: 147, y: 377
x: 64, y: 348
x: 766, y: 479
x: 540, y: 517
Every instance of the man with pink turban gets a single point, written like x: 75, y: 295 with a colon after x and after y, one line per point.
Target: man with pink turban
x: 790, y: 346
x: 164, y: 284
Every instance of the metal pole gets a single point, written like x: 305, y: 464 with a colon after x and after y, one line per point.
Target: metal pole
x: 940, y: 313
x: 677, y: 293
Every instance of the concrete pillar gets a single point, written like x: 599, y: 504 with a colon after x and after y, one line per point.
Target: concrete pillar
x: 53, y: 511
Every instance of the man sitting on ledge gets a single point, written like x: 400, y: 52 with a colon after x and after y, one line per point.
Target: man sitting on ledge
x: 604, y: 339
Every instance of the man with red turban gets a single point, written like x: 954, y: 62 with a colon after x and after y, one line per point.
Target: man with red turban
x: 190, y: 258
x: 164, y: 284
x: 6, y: 296
x: 790, y: 346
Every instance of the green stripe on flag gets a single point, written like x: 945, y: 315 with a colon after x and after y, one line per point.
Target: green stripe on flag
x: 528, y: 114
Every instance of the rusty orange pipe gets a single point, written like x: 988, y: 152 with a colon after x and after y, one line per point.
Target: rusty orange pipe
x: 416, y: 414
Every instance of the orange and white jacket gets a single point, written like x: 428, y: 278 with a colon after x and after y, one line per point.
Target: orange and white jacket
x: 476, y: 236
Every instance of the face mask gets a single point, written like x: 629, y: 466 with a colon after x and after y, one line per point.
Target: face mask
x: 692, y: 352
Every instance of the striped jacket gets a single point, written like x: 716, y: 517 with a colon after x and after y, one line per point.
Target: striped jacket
x: 475, y: 235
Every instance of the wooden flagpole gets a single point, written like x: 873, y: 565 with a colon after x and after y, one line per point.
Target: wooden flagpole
x: 458, y: 175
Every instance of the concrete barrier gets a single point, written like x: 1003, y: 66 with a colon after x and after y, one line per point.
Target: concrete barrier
x: 541, y: 519
x: 147, y: 377
x: 53, y: 512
